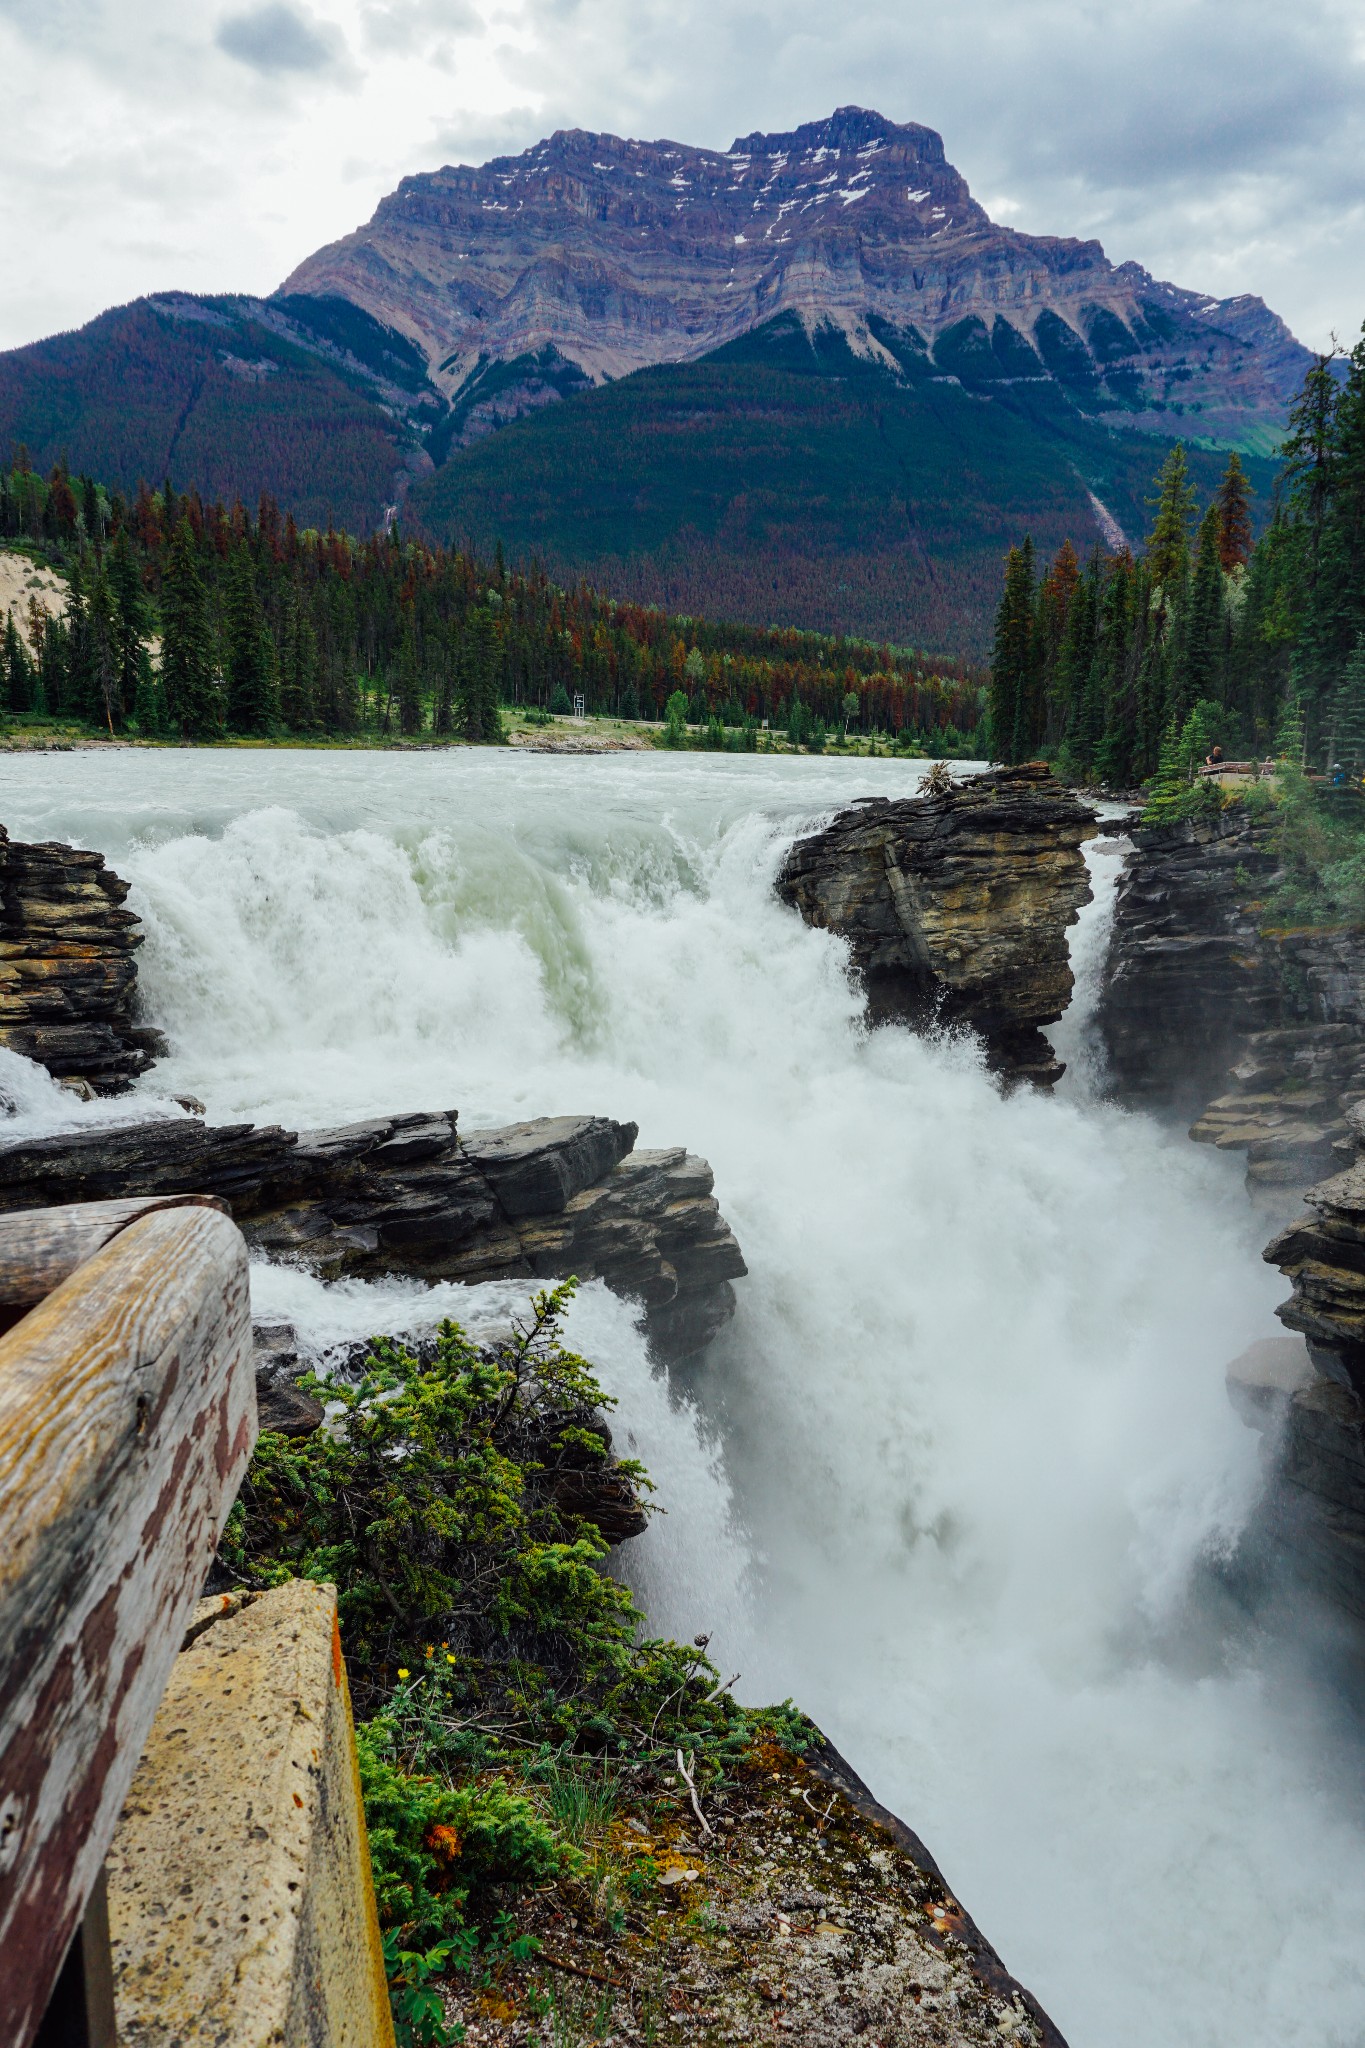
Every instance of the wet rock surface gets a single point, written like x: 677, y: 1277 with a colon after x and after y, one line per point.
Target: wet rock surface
x: 1203, y: 999
x: 407, y: 1195
x: 1187, y: 979
x: 956, y: 906
x: 1257, y: 1032
x: 68, y: 980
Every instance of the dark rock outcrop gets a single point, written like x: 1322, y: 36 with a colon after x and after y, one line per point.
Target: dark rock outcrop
x: 1187, y: 979
x: 1319, y: 1499
x: 956, y: 905
x: 405, y: 1194
x: 68, y: 981
x: 1202, y: 999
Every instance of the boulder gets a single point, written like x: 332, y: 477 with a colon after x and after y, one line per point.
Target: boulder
x: 956, y: 906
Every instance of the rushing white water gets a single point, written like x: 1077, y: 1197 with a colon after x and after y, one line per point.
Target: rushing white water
x: 959, y: 1476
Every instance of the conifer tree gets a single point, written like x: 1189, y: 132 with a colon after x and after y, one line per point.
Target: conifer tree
x: 249, y: 658
x: 1013, y: 660
x: 132, y: 618
x: 409, y: 678
x: 188, y: 682
x: 479, y: 667
x: 102, y: 703
x: 1168, y: 544
x: 1202, y: 625
x: 1234, y: 517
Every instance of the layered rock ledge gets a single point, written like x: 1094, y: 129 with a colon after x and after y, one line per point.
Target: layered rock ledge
x: 1202, y: 999
x: 956, y: 906
x: 68, y: 980
x: 408, y: 1195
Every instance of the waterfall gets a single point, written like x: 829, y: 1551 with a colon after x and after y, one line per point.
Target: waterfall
x: 961, y: 1477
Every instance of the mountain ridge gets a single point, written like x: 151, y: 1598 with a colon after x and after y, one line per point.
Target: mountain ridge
x: 620, y: 254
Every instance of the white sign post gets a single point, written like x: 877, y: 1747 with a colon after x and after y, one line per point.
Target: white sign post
x: 578, y: 706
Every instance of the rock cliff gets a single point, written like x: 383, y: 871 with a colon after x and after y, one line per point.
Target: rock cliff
x: 68, y: 980
x: 1321, y: 1466
x: 956, y: 906
x: 1199, y: 996
x: 1202, y: 1000
x: 592, y: 252
x: 406, y: 1194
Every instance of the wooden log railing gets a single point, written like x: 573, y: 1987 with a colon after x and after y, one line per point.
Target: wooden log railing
x: 127, y: 1416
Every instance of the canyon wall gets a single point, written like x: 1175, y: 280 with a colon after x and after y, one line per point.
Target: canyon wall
x: 1200, y: 999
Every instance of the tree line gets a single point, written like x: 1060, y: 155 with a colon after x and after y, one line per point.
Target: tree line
x: 1099, y: 665
x: 189, y: 620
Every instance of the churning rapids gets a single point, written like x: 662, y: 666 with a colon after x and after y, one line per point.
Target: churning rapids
x: 962, y: 1474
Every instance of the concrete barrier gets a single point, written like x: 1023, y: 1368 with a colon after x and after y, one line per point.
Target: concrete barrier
x: 241, y: 1906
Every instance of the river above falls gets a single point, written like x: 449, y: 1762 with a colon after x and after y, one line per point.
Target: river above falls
x: 961, y: 1477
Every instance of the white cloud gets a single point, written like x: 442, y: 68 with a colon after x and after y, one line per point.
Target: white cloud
x: 213, y: 147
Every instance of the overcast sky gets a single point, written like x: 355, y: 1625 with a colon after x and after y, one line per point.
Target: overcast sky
x: 211, y: 144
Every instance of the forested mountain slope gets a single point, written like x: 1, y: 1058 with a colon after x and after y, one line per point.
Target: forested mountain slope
x: 804, y: 379
x: 311, y: 401
x: 790, y: 478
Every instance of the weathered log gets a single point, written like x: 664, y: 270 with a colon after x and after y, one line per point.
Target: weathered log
x: 39, y: 1248
x: 127, y: 1416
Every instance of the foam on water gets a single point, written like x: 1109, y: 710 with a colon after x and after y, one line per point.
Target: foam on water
x: 960, y: 1475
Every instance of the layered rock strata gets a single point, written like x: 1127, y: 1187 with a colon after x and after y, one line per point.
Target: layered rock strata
x: 1201, y: 1000
x: 597, y: 254
x: 68, y: 980
x: 1321, y: 1469
x: 1187, y: 979
x: 956, y: 906
x: 407, y: 1195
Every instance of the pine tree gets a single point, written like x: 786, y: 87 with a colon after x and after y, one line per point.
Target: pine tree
x: 188, y: 683
x: 102, y: 702
x: 1349, y: 709
x: 132, y: 618
x: 1234, y: 516
x: 479, y: 674
x: 1168, y: 543
x: 14, y: 668
x: 1201, y: 626
x: 409, y: 678
x: 1013, y: 661
x: 249, y: 659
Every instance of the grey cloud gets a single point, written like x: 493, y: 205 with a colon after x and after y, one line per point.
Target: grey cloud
x: 1157, y: 129
x: 400, y: 27
x: 276, y: 38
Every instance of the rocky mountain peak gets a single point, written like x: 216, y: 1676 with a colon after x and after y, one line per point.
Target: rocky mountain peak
x: 597, y: 255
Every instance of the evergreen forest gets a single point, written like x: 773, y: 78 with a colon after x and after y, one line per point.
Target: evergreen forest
x: 1204, y: 638
x: 193, y: 620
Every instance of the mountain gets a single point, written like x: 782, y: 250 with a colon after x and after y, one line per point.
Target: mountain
x: 786, y: 478
x: 618, y: 255
x: 310, y: 399
x: 806, y: 379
